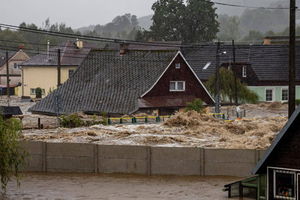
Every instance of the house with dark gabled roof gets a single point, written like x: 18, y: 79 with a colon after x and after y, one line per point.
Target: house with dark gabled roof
x: 41, y: 70
x: 15, y: 58
x: 264, y: 68
x: 134, y: 80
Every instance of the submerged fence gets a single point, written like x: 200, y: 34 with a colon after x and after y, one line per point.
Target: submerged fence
x: 135, y: 120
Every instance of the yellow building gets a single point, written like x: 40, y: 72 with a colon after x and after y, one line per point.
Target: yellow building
x: 42, y: 70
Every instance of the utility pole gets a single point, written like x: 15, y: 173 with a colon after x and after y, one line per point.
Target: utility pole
x: 217, y: 98
x: 292, y: 56
x: 58, y: 69
x: 7, y: 79
x: 235, y: 74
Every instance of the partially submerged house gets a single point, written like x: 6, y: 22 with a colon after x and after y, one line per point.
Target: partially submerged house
x: 15, y: 58
x: 264, y: 68
x: 126, y: 81
x: 41, y: 70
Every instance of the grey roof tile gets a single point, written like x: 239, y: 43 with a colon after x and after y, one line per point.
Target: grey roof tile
x: 70, y: 55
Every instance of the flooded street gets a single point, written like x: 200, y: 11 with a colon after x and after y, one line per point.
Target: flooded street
x: 113, y: 187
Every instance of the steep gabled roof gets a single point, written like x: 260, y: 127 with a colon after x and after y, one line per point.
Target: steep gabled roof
x: 269, y: 62
x: 107, y: 82
x: 262, y: 164
x: 70, y: 55
x: 192, y: 70
x: 3, y: 57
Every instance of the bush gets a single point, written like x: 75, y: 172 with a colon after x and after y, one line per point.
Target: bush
x: 71, y: 121
x: 38, y: 92
x: 74, y: 120
x: 12, y: 156
x: 196, y: 105
x: 297, y: 102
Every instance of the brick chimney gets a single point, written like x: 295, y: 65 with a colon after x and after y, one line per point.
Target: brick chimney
x: 79, y: 44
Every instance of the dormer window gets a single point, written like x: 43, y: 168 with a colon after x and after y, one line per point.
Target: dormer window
x: 177, y: 65
x: 244, y: 71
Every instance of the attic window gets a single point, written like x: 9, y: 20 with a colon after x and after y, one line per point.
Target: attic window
x: 71, y: 72
x: 177, y: 65
x: 244, y: 71
x: 177, y: 86
x: 284, y: 184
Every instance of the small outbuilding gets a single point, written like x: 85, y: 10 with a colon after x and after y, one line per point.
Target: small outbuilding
x: 281, y: 163
x: 277, y: 174
x: 9, y: 111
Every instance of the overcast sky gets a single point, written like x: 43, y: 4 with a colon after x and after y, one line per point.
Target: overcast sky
x: 75, y: 13
x: 78, y: 13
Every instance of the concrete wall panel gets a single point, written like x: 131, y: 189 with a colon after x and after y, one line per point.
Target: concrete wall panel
x: 229, y: 162
x: 177, y: 161
x: 34, y: 160
x: 70, y: 157
x: 123, y: 159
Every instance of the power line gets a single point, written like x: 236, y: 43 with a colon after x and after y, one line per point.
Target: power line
x: 251, y: 7
x: 96, y: 38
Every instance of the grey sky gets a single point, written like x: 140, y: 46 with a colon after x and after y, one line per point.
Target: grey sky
x: 75, y: 13
x: 78, y: 13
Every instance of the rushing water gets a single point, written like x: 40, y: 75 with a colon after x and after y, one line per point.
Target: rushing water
x: 113, y: 187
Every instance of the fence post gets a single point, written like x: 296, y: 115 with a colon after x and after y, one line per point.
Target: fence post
x: 157, y: 119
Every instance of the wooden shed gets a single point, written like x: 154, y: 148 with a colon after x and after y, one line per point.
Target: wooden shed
x: 277, y: 174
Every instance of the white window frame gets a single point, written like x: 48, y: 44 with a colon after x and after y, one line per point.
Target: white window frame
x: 244, y: 71
x: 274, y: 184
x: 284, y: 88
x: 273, y: 94
x: 177, y: 65
x: 32, y: 91
x: 176, y: 86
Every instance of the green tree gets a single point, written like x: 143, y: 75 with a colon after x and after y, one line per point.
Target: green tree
x: 200, y: 21
x: 38, y: 92
x: 196, y: 105
x: 12, y: 157
x: 229, y: 27
x: 167, y: 20
x: 7, y: 36
x: 227, y: 87
x: 254, y: 36
x: 192, y: 22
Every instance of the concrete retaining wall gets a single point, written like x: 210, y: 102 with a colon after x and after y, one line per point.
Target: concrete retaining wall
x: 92, y: 158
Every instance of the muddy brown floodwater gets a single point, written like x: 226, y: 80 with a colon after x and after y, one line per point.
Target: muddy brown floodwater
x: 117, y: 187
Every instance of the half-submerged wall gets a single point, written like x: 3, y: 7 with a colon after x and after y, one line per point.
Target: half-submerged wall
x: 145, y: 160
